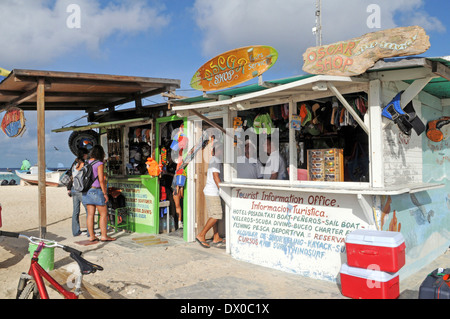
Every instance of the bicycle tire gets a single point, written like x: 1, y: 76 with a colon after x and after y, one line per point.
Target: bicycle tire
x: 30, y: 291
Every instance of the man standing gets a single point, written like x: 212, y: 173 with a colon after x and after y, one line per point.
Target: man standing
x: 276, y: 166
x: 248, y: 166
x: 213, y: 202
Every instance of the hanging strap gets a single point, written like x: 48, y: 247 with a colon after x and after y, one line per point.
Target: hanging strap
x: 406, y: 119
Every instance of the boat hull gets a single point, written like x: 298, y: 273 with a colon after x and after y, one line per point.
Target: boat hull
x: 51, y: 178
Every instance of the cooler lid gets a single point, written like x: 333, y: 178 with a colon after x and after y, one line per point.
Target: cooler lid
x: 368, y: 274
x: 375, y: 238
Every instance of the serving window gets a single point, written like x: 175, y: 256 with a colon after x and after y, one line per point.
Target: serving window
x: 327, y: 143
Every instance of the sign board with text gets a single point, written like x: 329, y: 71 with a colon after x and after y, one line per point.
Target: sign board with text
x: 141, y: 204
x: 301, y: 233
x: 234, y: 67
x: 355, y: 56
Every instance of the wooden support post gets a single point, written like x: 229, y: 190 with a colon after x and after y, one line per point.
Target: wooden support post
x: 41, y: 157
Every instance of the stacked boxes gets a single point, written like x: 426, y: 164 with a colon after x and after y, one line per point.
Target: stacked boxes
x: 326, y: 165
x: 373, y: 261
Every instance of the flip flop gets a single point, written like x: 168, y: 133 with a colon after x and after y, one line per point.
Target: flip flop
x: 219, y: 244
x: 204, y: 244
x: 94, y: 240
x: 109, y: 239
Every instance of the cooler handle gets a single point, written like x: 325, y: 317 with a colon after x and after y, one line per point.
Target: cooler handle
x: 369, y: 252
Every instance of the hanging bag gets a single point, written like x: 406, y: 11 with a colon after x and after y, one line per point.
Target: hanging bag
x: 358, y: 164
x: 66, y: 179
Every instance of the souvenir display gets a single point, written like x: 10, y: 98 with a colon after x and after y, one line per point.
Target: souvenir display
x: 326, y: 165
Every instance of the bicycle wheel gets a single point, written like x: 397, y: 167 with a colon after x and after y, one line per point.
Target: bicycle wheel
x: 30, y: 291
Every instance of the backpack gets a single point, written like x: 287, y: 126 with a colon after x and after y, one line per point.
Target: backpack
x: 83, y: 181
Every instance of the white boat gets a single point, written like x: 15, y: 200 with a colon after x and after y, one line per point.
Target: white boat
x: 31, y: 176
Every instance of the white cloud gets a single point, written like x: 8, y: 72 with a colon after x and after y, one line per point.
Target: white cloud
x: 33, y: 32
x: 287, y: 25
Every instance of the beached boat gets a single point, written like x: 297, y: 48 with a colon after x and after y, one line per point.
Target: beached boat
x: 31, y: 176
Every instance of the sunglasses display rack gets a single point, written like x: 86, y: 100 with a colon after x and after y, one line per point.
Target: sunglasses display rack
x: 326, y: 165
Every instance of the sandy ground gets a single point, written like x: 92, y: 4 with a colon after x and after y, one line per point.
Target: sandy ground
x: 133, y: 270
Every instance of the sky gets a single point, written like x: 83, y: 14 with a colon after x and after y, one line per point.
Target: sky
x: 173, y: 38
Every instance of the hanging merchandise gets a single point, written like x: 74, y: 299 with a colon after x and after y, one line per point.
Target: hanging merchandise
x: 163, y: 194
x: 272, y: 113
x: 335, y: 107
x: 309, y: 126
x: 434, y: 133
x: 153, y: 167
x: 164, y: 159
x: 13, y: 123
x: 296, y: 122
x: 314, y: 109
x: 361, y: 105
x: 357, y: 164
x: 180, y: 141
x: 263, y: 122
x: 406, y: 118
x: 180, y: 177
x: 304, y: 114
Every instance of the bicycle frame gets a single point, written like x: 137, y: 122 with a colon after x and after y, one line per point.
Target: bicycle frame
x: 38, y: 273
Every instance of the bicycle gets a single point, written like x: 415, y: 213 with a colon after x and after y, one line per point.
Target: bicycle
x: 31, y: 285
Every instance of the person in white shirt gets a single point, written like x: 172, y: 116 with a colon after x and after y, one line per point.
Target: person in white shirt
x: 276, y: 166
x: 213, y: 202
x: 248, y: 166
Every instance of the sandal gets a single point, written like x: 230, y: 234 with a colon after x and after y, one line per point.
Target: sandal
x: 219, y: 244
x: 204, y: 244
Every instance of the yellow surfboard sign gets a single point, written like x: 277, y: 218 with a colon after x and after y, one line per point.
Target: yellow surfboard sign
x: 234, y: 67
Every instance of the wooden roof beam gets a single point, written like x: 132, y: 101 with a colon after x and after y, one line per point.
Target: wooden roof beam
x: 19, y: 100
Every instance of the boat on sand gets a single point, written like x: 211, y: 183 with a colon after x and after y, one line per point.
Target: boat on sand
x: 52, y: 178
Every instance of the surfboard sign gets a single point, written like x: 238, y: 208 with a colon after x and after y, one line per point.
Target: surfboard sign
x: 234, y: 67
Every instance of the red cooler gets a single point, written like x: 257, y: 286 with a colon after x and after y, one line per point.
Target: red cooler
x: 378, y: 250
x: 360, y: 283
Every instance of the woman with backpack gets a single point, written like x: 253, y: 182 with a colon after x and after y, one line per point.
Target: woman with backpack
x: 77, y: 196
x: 97, y: 196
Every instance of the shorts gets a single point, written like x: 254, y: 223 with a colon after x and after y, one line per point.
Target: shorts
x: 214, y: 206
x: 94, y: 196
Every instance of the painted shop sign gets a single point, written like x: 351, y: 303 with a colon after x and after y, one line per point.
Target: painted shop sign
x: 139, y: 200
x: 355, y: 56
x: 298, y: 232
x: 234, y: 67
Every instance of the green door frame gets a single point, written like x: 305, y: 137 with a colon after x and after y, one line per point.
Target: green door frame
x: 158, y: 153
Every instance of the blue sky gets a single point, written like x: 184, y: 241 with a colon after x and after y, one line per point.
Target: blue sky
x: 173, y: 38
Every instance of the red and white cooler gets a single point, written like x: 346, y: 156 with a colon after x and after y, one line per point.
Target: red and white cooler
x: 361, y: 283
x: 379, y: 250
